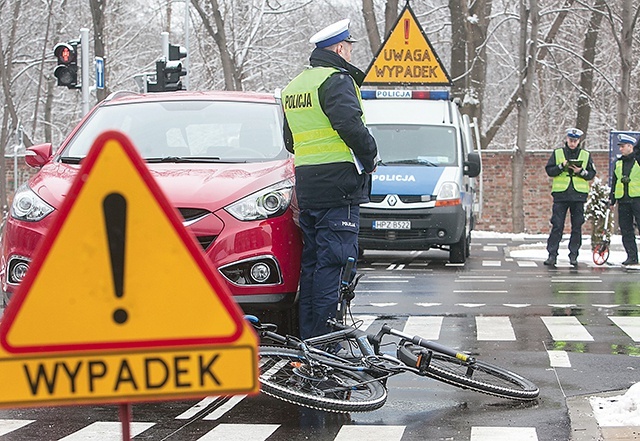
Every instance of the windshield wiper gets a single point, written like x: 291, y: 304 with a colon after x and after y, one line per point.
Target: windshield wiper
x: 412, y: 161
x: 179, y: 159
x: 70, y: 159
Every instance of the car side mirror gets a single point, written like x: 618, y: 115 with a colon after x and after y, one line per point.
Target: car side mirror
x: 473, y: 165
x: 38, y: 155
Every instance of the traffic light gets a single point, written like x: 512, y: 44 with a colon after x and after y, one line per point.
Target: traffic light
x: 168, y: 73
x: 67, y: 69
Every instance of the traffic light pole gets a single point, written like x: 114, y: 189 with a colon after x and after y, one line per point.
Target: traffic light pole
x: 84, y: 50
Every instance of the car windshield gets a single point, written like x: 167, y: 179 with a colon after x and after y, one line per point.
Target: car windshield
x: 189, y: 131
x: 415, y: 144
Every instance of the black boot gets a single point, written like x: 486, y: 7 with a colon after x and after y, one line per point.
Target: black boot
x: 551, y: 261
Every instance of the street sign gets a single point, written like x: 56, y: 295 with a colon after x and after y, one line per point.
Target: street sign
x: 406, y: 57
x: 99, y: 73
x: 120, y: 304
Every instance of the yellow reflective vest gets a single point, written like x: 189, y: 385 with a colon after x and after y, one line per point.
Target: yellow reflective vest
x: 634, y: 181
x: 561, y: 182
x: 314, y: 140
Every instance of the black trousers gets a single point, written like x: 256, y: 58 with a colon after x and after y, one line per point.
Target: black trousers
x: 627, y: 212
x: 558, y: 215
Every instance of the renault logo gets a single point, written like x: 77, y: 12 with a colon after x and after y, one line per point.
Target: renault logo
x: 392, y: 200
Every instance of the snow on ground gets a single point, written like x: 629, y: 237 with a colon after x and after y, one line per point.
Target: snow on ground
x: 620, y: 410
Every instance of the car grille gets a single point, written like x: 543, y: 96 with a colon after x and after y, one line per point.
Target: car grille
x: 407, y: 199
x: 366, y: 233
x: 193, y: 214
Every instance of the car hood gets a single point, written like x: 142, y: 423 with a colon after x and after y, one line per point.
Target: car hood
x: 208, y: 186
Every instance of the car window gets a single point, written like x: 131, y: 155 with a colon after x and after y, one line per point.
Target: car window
x: 229, y: 131
x: 415, y: 144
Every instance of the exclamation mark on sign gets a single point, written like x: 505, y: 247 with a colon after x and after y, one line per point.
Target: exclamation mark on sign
x: 115, y: 217
x: 406, y: 31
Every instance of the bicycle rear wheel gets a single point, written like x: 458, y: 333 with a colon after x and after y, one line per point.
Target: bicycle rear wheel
x: 288, y: 375
x: 479, y: 376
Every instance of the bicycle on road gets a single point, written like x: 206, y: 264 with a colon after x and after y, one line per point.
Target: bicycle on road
x: 314, y: 373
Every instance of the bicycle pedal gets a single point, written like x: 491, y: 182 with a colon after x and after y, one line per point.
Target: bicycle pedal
x: 424, y: 360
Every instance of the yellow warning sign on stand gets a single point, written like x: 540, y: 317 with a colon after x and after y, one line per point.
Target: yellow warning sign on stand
x: 120, y: 303
x: 407, y: 57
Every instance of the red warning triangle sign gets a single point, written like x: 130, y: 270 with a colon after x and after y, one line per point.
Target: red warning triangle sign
x: 118, y: 269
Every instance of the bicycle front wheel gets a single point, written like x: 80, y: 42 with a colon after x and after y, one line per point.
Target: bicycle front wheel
x: 288, y: 375
x: 479, y: 376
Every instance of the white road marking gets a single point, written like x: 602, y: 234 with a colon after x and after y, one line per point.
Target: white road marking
x: 491, y: 263
x: 226, y: 407
x: 630, y: 325
x: 8, y: 426
x: 559, y: 359
x: 489, y: 248
x: 106, y: 431
x: 240, y: 432
x: 527, y: 263
x: 197, y: 408
x: 566, y: 329
x: 517, y: 305
x: 426, y: 327
x: 370, y: 433
x: 494, y: 328
x: 503, y: 434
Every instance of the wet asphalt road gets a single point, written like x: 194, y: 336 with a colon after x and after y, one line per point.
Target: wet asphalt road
x: 592, y: 353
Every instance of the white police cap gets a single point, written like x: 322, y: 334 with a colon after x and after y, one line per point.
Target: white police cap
x: 574, y: 133
x: 626, y: 139
x: 332, y: 34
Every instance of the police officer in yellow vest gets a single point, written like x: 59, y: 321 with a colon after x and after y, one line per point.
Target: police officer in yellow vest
x: 334, y: 155
x: 625, y: 190
x: 571, y: 168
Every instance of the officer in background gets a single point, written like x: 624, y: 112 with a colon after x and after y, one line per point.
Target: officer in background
x: 571, y: 168
x: 334, y: 155
x: 625, y: 190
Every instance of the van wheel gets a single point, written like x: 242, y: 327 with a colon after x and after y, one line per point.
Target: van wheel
x: 458, y: 250
x: 467, y: 248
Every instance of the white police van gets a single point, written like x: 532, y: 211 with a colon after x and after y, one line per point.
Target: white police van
x: 424, y: 192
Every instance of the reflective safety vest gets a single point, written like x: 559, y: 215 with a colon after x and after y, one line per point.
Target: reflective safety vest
x: 634, y: 181
x: 314, y: 140
x: 561, y: 182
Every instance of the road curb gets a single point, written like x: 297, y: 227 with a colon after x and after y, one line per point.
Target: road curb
x: 584, y: 426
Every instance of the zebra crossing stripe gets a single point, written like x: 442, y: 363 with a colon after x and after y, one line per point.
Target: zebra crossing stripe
x: 426, y: 327
x: 630, y: 325
x: 196, y: 409
x: 503, y: 434
x: 240, y: 432
x: 370, y: 433
x: 226, y: 407
x: 494, y: 328
x: 566, y: 329
x: 106, y: 431
x: 559, y: 359
x: 8, y: 426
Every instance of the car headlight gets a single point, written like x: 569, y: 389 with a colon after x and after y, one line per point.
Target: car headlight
x: 28, y: 206
x: 269, y: 202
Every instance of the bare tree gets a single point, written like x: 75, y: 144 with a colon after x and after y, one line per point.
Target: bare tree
x: 529, y: 21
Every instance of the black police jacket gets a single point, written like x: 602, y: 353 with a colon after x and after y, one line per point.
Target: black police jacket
x: 337, y: 184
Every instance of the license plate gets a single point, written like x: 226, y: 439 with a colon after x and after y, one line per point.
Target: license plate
x: 391, y: 225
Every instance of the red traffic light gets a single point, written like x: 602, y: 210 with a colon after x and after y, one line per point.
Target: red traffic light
x: 65, y: 53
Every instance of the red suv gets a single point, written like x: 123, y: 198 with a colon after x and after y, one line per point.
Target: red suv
x: 219, y: 157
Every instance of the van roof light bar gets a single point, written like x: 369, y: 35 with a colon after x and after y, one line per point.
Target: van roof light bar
x: 405, y: 94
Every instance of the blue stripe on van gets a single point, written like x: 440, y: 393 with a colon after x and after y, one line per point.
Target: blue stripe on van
x: 405, y: 180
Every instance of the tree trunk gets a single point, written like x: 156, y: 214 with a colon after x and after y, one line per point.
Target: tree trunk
x: 97, y: 14
x: 588, y: 59
x: 626, y: 41
x: 232, y: 78
x: 458, y: 71
x: 371, y: 25
x: 390, y: 16
x: 477, y: 58
x: 528, y: 49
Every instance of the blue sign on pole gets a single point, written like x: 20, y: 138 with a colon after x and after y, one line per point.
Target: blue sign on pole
x: 99, y: 73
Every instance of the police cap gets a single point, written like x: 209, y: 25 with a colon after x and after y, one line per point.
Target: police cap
x: 574, y: 133
x: 626, y: 139
x: 332, y: 34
